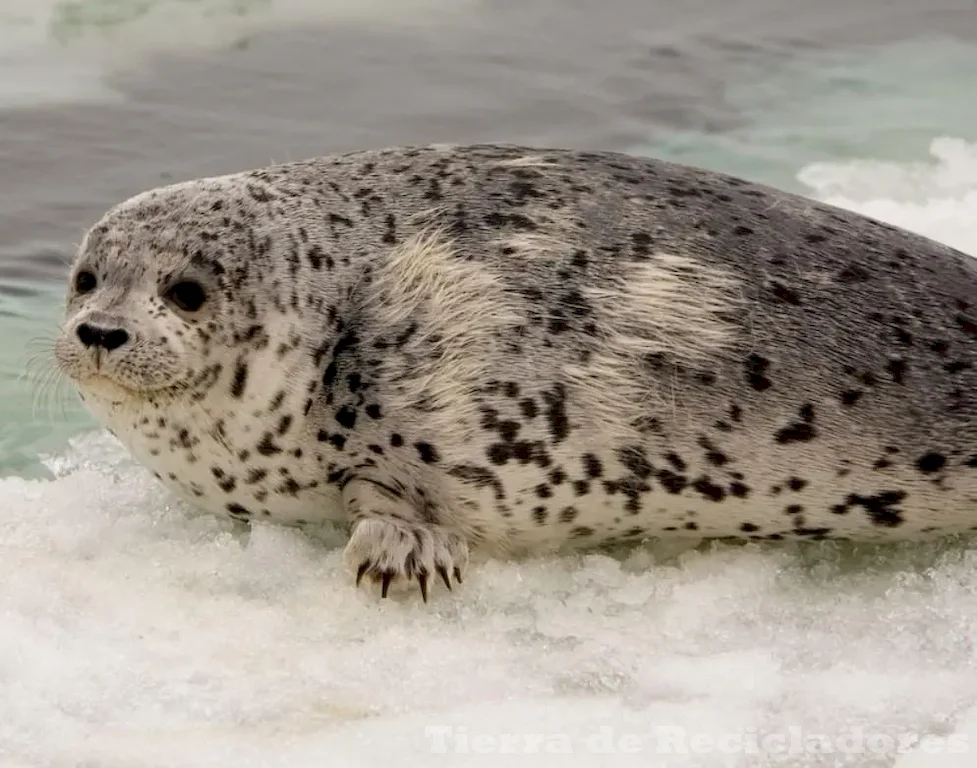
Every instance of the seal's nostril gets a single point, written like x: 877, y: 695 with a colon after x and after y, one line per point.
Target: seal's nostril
x: 114, y: 339
x: 87, y: 335
x: 92, y: 336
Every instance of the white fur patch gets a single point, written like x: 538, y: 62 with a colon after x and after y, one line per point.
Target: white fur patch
x: 673, y: 305
x: 526, y: 161
x: 462, y: 305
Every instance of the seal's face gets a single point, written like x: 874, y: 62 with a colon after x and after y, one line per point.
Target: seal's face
x: 142, y: 311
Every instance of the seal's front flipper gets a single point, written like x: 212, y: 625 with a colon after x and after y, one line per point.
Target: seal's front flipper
x: 388, y: 542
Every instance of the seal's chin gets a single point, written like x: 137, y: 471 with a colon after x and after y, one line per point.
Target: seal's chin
x: 96, y: 386
x: 97, y: 378
x: 103, y: 386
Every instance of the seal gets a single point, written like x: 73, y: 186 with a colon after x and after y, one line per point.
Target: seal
x: 514, y: 350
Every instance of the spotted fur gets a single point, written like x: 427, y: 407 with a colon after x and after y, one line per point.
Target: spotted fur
x: 515, y: 350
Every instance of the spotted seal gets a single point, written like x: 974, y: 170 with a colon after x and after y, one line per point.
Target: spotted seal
x: 515, y: 350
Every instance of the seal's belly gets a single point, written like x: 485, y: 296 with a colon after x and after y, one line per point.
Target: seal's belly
x: 209, y: 469
x: 606, y: 503
x: 225, y: 486
x: 715, y: 470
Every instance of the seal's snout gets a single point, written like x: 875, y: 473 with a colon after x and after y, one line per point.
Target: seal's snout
x: 99, y: 337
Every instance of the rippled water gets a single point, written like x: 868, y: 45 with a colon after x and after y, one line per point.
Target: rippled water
x: 122, y: 619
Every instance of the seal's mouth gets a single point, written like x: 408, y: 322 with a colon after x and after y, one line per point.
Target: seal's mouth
x: 99, y: 384
x: 109, y: 390
x: 92, y: 376
x: 103, y: 374
x: 101, y: 378
x: 85, y: 367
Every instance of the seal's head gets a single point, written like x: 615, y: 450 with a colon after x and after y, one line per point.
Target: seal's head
x: 150, y: 308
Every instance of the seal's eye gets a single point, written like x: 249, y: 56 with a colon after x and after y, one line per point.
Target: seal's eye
x: 187, y: 295
x: 85, y: 281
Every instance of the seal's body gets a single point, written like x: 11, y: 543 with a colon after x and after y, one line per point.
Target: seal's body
x: 518, y: 349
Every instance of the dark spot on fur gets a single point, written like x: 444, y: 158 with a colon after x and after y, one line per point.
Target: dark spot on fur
x: 255, y: 476
x: 672, y: 482
x: 499, y: 453
x: 641, y: 244
x: 266, y: 447
x: 329, y: 374
x: 967, y: 325
x: 289, y: 487
x: 479, y: 477
x: 796, y: 484
x: 739, y: 490
x: 854, y: 274
x: 716, y: 458
x: 240, y: 379
x: 633, y: 459
x: 427, y: 452
x: 881, y: 508
x: 756, y: 367
x: 784, y: 294
x: 799, y: 431
x: 568, y: 514
x: 676, y: 461
x: 508, y: 430
x: 749, y: 528
x: 346, y: 416
x: 709, y: 489
x: 227, y: 484
x: 259, y: 195
x: 592, y: 465
x: 897, y: 369
x: 930, y: 463
x: 315, y: 256
x: 556, y: 413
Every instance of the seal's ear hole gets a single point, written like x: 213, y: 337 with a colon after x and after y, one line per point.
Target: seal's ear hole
x: 85, y: 281
x: 188, y: 295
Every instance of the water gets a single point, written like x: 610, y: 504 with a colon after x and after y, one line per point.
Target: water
x: 136, y: 633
